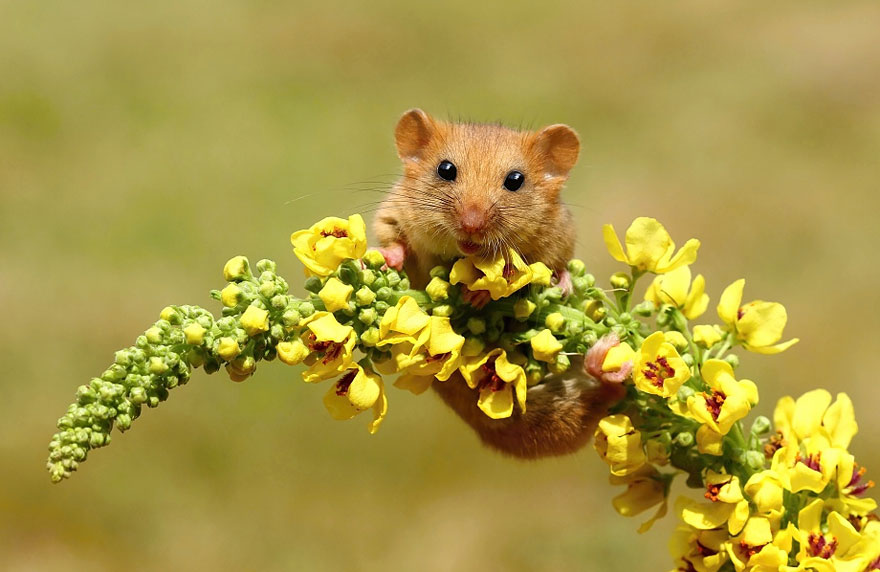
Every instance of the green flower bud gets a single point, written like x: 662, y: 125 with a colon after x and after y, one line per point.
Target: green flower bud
x: 684, y: 439
x: 171, y: 315
x: 368, y: 315
x: 367, y: 276
x: 266, y: 265
x: 644, y: 309
x: 154, y: 335
x: 594, y: 310
x: 591, y: 280
x: 364, y: 296
x: 268, y: 289
x: 754, y: 460
x: 472, y: 347
x: 370, y: 337
x: 555, y: 322
x: 444, y: 310
x: 590, y: 338
x: 580, y: 284
x: 314, y: 284
x: 374, y: 259
x: 438, y: 289
x: 476, y: 326
x: 384, y: 294
x: 733, y: 360
x: 534, y: 373
x: 276, y: 331
x: 291, y: 318
x: 404, y: 283
x: 236, y: 269
x: 684, y: 392
x: 306, y: 309
x: 393, y: 278
x: 761, y: 426
x: 379, y: 283
x: 523, y: 308
x: 621, y: 280
x: 688, y: 359
x: 381, y: 306
x: 279, y: 302
x: 553, y: 294
x: 576, y: 267
x: 561, y: 364
x: 440, y: 272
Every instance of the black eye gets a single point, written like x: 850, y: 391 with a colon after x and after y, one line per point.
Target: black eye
x: 447, y: 170
x: 514, y: 180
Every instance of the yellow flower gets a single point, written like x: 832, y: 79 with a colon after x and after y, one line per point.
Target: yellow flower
x: 767, y: 493
x: 811, y: 469
x: 756, y: 546
x: 324, y: 246
x: 228, y: 348
x: 335, y: 294
x: 619, y: 444
x: 439, y: 358
x: 292, y: 352
x: 236, y: 269
x: 726, y: 402
x: 356, y: 391
x: 405, y: 322
x: 649, y: 248
x: 758, y: 324
x: 814, y: 414
x: 657, y: 367
x: 645, y: 488
x: 497, y: 380
x: 675, y: 288
x: 194, y: 333
x: 699, y: 550
x: 437, y: 289
x: 707, y: 336
x: 727, y: 505
x: 330, y: 346
x: 500, y: 276
x: 545, y: 346
x: 255, y: 321
x: 837, y: 546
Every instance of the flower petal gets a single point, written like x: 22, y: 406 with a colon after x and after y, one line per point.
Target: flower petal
x: 497, y: 404
x: 612, y: 243
x: 731, y: 298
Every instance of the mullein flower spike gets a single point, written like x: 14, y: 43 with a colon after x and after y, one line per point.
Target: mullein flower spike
x: 787, y: 497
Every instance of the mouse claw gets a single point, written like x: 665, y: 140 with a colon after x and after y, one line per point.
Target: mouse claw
x: 596, y: 357
x: 564, y: 283
x: 476, y: 298
x: 394, y: 254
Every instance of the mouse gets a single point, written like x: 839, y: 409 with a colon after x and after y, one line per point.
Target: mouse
x: 471, y: 189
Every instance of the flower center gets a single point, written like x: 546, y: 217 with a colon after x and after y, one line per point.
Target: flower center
x: 714, y: 401
x: 857, y: 489
x: 750, y: 550
x: 713, y: 490
x: 774, y: 444
x: 705, y: 550
x: 432, y: 358
x: 336, y: 232
x: 740, y: 313
x: 330, y: 350
x: 812, y: 461
x: 819, y: 547
x: 491, y: 381
x: 345, y: 382
x: 658, y: 371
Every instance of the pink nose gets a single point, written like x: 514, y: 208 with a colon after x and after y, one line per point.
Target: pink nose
x: 473, y: 219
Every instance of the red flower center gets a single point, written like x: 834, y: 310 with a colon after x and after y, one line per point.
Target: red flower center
x: 750, y: 550
x: 775, y: 443
x: 857, y: 489
x: 330, y: 350
x: 714, y: 401
x: 658, y: 371
x: 491, y: 380
x: 345, y: 382
x: 712, y: 491
x: 812, y: 461
x: 821, y: 548
x: 336, y: 232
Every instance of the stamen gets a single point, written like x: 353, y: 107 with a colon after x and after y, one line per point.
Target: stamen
x: 750, y: 550
x: 658, y: 371
x: 712, y: 491
x: 812, y: 461
x: 336, y: 232
x: 345, y: 382
x: 714, y: 401
x: 491, y: 381
x: 821, y: 548
x: 775, y: 443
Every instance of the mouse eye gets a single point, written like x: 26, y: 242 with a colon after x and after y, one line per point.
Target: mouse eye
x: 447, y: 170
x: 514, y: 181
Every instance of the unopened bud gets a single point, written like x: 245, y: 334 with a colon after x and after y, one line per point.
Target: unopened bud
x: 291, y: 318
x: 228, y: 349
x: 561, y: 364
x: 437, y: 289
x: 374, y: 259
x: 194, y: 333
x: 384, y: 293
x: 279, y: 301
x: 576, y: 267
x: 306, y: 309
x: 555, y: 322
x: 153, y: 335
x: 292, y: 352
x: 754, y: 460
x: 364, y: 296
x: 523, y: 308
x: 170, y: 314
x: 229, y: 296
x: 472, y: 347
x: 553, y: 294
x: 621, y: 280
x: 370, y: 337
x: 314, y: 284
x: 684, y: 439
x: 477, y: 326
x: 255, y: 321
x: 393, y: 278
x: 157, y: 365
x: 367, y: 276
x: 236, y: 269
x: 268, y: 289
x: 761, y: 426
x: 644, y: 309
x: 684, y: 392
x: 444, y: 311
x: 440, y: 272
x: 266, y: 265
x: 594, y: 310
x: 367, y: 316
x: 733, y: 360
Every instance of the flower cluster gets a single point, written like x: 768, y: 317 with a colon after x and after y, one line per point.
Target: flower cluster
x: 790, y: 497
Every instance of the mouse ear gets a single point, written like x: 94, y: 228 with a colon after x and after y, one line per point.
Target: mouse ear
x: 559, y: 145
x: 413, y: 132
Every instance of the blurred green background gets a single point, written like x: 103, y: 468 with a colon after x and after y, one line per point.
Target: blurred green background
x: 142, y: 144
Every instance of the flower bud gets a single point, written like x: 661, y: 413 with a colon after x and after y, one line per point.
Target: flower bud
x: 761, y: 426
x: 384, y: 293
x: 364, y: 296
x: 472, y: 347
x: 370, y: 337
x: 291, y: 318
x: 684, y: 439
x: 534, y: 373
x: 590, y: 338
x: 553, y: 294
x: 255, y: 321
x: 228, y: 349
x: 579, y: 284
x: 368, y: 315
x: 754, y: 460
x: 594, y: 310
x: 733, y: 360
x: 153, y: 335
x: 279, y: 301
x: 476, y: 326
x: 688, y: 359
x: 268, y: 289
x: 266, y: 265
x: 306, y: 309
x: 523, y: 308
x: 157, y: 365
x: 170, y: 314
x: 374, y: 259
x: 644, y: 309
x: 230, y: 295
x: 444, y: 311
x: 393, y: 277
x: 561, y: 364
x: 555, y: 322
x: 684, y: 392
x: 438, y: 289
x: 404, y: 283
x: 381, y: 306
x: 621, y: 280
x: 379, y: 283
x: 367, y: 276
x: 195, y: 334
x: 440, y: 272
x: 313, y: 284
x: 576, y: 267
x: 236, y: 269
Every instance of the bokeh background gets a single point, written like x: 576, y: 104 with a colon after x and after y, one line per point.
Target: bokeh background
x: 142, y: 144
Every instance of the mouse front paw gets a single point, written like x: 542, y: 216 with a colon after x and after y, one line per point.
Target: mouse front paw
x: 394, y: 254
x: 564, y: 283
x: 596, y: 357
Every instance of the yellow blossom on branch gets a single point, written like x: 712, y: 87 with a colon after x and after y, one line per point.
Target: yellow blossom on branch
x: 758, y: 548
x: 439, y: 358
x: 657, y: 367
x: 649, y: 248
x: 726, y: 507
x: 726, y: 402
x: 545, y: 346
x: 758, y: 324
x: 356, y: 391
x: 498, y: 381
x: 699, y: 550
x: 405, y: 322
x: 330, y: 345
x: 675, y: 288
x: 323, y: 246
x: 619, y: 444
x: 645, y: 488
x: 501, y: 276
x: 335, y: 294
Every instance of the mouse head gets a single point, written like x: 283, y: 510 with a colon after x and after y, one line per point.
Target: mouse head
x: 477, y: 188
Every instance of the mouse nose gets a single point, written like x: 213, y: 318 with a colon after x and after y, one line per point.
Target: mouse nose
x: 473, y: 219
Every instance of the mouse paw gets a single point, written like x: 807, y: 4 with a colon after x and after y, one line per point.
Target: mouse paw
x: 394, y: 254
x: 476, y: 298
x: 596, y: 357
x: 564, y: 283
